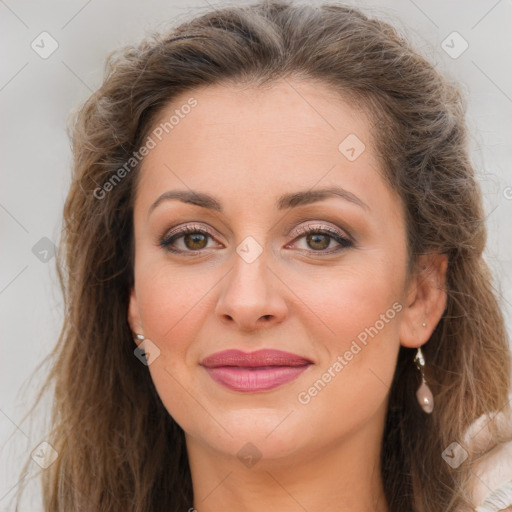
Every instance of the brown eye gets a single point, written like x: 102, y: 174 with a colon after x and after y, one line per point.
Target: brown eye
x: 188, y: 239
x: 195, y: 241
x: 318, y: 241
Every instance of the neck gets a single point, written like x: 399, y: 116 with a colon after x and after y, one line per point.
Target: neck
x: 343, y: 476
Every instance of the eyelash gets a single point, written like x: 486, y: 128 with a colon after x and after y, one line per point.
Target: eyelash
x: 343, y: 241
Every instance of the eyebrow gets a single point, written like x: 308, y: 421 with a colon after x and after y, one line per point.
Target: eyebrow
x: 286, y: 201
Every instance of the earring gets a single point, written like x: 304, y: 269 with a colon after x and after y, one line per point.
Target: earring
x: 139, y: 337
x: 423, y: 394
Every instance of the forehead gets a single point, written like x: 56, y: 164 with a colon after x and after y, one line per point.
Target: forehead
x: 290, y: 111
x: 258, y: 142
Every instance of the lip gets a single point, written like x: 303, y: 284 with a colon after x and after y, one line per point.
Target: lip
x: 254, y: 371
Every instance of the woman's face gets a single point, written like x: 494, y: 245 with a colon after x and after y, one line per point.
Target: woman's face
x: 270, y: 261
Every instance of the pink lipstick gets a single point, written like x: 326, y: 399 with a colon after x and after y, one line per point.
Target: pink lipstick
x: 254, y: 371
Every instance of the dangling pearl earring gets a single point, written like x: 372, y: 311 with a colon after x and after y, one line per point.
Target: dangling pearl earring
x: 423, y: 394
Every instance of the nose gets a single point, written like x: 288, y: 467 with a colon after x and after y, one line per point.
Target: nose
x: 252, y: 296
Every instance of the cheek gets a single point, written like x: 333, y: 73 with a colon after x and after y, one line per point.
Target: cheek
x: 173, y: 304
x: 349, y: 301
x: 171, y: 299
x: 168, y: 316
x: 358, y: 357
x: 359, y: 311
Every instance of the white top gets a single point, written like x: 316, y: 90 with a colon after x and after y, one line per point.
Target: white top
x: 492, y: 482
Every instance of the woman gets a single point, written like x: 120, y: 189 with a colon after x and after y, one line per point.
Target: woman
x: 276, y: 297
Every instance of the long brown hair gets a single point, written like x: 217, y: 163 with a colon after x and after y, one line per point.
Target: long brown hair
x: 119, y: 449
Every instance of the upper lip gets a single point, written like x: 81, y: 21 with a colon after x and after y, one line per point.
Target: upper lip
x: 263, y: 357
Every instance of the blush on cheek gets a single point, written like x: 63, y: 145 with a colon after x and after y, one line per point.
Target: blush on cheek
x: 166, y: 301
x: 176, y: 300
x: 355, y: 310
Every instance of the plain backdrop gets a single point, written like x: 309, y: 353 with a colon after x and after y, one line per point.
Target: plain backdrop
x: 38, y: 91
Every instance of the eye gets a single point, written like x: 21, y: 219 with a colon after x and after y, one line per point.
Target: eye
x: 191, y: 238
x: 318, y: 238
x: 194, y: 239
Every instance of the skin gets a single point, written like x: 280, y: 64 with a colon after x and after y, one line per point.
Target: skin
x: 247, y: 147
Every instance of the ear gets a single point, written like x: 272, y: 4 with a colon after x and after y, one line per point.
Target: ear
x: 425, y: 300
x: 134, y: 316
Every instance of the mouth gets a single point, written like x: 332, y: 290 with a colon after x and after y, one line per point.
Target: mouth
x: 254, y: 371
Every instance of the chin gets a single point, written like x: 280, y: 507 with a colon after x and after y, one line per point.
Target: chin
x: 270, y: 433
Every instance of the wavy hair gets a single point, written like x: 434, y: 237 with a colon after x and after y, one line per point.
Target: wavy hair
x: 119, y: 449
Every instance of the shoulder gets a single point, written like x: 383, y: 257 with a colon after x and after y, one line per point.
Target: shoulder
x: 492, y: 488
x: 491, y: 483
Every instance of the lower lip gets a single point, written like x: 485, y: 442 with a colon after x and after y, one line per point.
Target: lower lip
x: 255, y: 379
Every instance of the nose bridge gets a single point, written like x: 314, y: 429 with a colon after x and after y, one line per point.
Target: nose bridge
x: 251, y: 293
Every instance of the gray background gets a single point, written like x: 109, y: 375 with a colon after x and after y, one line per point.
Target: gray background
x: 37, y: 95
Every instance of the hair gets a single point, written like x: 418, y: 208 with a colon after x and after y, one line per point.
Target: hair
x: 119, y: 449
